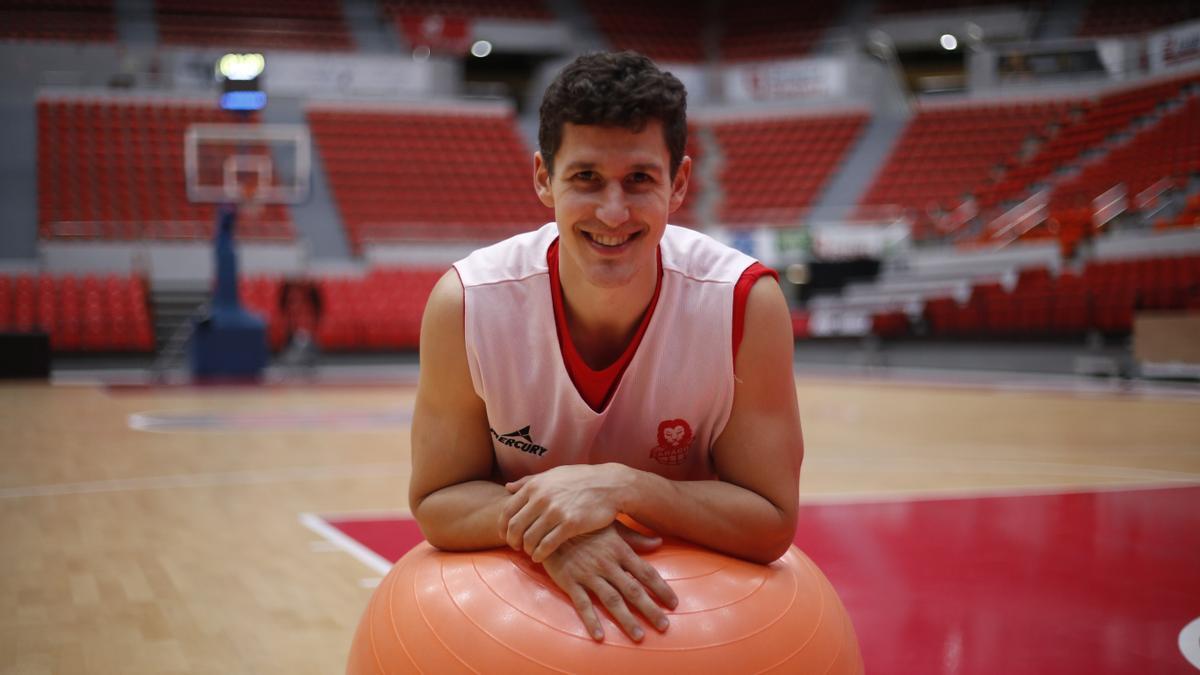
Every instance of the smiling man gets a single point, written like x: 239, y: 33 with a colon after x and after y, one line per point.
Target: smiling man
x: 608, y: 363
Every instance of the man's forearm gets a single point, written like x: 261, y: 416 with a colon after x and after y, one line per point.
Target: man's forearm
x: 463, y: 517
x: 713, y: 513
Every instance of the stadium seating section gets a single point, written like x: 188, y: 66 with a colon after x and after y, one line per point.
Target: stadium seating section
x: 1120, y: 17
x: 1103, y: 298
x: 945, y: 153
x: 420, y: 175
x: 918, y: 6
x: 772, y: 29
x: 527, y: 10
x: 379, y: 312
x: 263, y: 24
x: 670, y: 30
x: 686, y: 214
x: 1092, y: 128
x: 113, y: 169
x: 1136, y: 137
x: 1001, y: 154
x: 80, y: 314
x: 775, y: 168
x: 67, y: 20
x: 676, y: 30
x: 1169, y: 149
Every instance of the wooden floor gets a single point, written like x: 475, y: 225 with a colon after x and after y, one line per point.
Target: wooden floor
x: 179, y: 549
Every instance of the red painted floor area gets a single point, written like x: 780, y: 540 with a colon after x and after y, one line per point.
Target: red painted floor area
x: 1093, y: 582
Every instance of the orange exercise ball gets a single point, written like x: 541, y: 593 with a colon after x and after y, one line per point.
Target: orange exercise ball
x: 497, y: 612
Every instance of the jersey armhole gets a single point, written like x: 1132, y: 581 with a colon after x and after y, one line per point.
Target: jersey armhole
x: 741, y: 295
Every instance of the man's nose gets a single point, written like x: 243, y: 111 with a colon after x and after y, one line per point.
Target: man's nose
x: 613, y: 210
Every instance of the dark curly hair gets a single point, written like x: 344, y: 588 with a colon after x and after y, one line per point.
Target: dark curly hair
x: 622, y: 89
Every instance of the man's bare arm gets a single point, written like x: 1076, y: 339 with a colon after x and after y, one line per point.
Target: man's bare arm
x: 452, y: 493
x: 750, y: 512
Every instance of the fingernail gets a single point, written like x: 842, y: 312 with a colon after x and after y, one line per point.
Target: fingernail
x: 638, y: 634
x: 597, y: 635
x: 662, y: 623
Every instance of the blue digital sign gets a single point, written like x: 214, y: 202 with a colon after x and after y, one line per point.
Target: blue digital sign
x: 243, y: 100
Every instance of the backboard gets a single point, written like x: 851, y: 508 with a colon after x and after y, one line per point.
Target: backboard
x: 247, y: 163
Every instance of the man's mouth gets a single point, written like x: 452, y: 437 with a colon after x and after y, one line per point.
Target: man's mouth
x: 610, y: 240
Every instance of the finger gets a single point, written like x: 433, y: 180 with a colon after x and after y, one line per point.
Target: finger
x: 549, y: 543
x: 515, y: 534
x: 511, y: 506
x: 651, y: 579
x: 638, y: 541
x: 586, y: 611
x: 536, y: 532
x: 516, y: 485
x: 614, y: 602
x: 635, y: 594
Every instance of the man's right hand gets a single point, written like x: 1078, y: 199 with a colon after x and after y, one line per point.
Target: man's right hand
x: 606, y: 564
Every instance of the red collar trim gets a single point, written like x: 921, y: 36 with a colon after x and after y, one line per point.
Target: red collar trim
x: 596, y: 387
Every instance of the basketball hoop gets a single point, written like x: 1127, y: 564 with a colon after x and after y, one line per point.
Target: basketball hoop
x: 249, y: 202
x: 248, y: 165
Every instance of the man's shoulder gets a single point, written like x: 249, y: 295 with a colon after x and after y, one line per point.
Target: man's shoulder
x: 698, y: 256
x: 518, y: 257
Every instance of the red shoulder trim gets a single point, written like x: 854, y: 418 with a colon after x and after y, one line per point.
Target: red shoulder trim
x: 741, y: 294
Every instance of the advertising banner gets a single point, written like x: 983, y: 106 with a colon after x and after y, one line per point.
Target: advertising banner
x: 785, y: 80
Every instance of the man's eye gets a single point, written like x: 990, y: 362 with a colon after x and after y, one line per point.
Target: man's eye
x: 640, y: 177
x: 586, y: 175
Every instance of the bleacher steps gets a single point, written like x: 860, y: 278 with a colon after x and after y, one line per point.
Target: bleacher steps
x: 173, y: 309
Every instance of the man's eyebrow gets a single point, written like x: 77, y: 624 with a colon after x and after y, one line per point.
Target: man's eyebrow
x: 645, y: 167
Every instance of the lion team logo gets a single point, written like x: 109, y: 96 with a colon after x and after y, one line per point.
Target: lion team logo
x: 674, y: 442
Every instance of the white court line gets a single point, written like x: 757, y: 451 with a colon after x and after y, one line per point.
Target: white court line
x: 198, y: 480
x: 1189, y: 642
x: 341, y: 540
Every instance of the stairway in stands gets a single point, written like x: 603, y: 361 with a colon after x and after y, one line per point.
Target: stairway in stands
x: 1099, y: 127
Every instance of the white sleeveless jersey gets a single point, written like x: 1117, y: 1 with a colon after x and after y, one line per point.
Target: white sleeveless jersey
x: 669, y: 406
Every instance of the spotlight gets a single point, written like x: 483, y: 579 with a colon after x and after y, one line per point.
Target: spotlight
x: 481, y: 48
x: 949, y: 42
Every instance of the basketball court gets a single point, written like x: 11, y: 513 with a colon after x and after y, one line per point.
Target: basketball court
x: 971, y: 524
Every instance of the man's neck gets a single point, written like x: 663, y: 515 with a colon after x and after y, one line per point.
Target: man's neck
x: 603, y: 321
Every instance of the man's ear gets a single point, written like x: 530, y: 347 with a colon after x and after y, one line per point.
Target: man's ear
x: 679, y: 186
x: 541, y: 180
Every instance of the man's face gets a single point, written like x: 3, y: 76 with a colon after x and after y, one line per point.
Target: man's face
x: 611, y: 193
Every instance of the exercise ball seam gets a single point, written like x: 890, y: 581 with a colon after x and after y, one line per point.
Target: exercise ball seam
x: 371, y: 634
x: 809, y: 565
x: 391, y: 595
x: 425, y: 619
x: 475, y: 566
x: 841, y: 645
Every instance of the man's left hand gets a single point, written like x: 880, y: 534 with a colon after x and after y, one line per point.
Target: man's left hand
x: 548, y: 508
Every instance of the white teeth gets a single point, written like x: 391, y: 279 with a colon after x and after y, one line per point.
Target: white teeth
x: 605, y: 240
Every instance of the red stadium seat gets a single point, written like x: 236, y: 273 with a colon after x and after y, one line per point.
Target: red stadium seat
x: 414, y: 175
x: 774, y: 169
x: 112, y: 169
